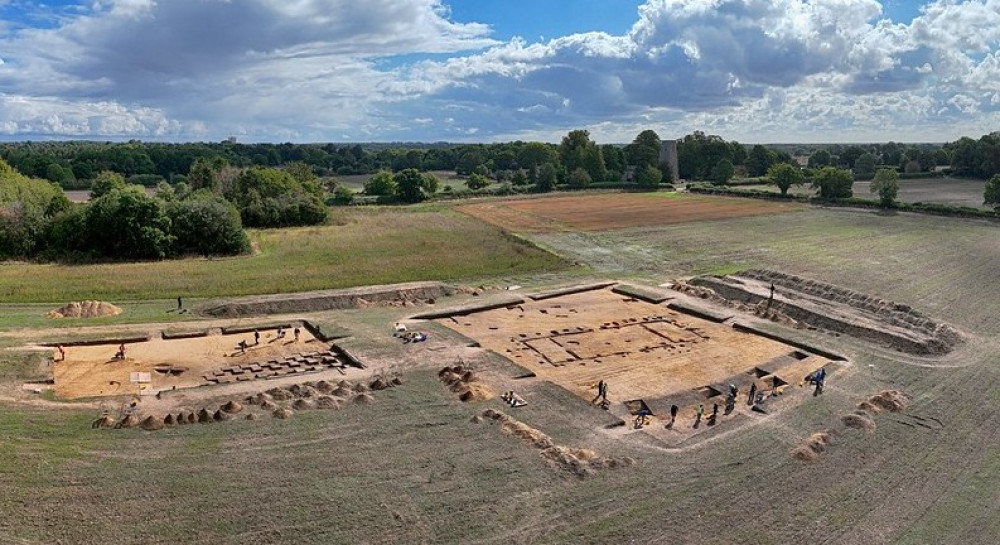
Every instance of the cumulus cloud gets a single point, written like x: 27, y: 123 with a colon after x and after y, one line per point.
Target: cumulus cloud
x: 338, y: 69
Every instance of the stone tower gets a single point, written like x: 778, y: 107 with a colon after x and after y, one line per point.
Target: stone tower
x: 668, y: 159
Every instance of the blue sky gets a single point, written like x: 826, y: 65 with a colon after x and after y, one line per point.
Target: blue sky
x: 481, y: 70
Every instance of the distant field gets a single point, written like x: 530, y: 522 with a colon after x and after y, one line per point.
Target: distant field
x: 616, y: 211
x: 954, y: 191
x: 447, y: 178
x: 374, y: 246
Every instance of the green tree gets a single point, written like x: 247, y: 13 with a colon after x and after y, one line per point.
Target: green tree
x: 207, y: 226
x: 533, y: 155
x: 382, y: 183
x: 410, y: 185
x: 593, y: 163
x: 644, y: 150
x: 833, y: 183
x: 864, y: 166
x: 723, y: 171
x: 572, y: 148
x: 547, y: 177
x: 579, y: 178
x: 519, y: 178
x: 759, y: 160
x: 821, y: 158
x: 477, y: 181
x: 127, y: 223
x: 649, y: 177
x: 991, y: 194
x: 105, y: 182
x: 886, y: 184
x: 785, y: 176
x: 430, y: 184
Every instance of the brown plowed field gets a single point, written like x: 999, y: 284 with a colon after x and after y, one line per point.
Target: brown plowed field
x: 616, y: 211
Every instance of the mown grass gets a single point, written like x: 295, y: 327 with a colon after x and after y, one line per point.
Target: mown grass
x: 373, y: 246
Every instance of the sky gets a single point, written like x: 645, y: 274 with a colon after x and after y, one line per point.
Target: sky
x: 756, y: 71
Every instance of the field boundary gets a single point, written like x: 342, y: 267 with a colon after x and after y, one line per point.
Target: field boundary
x: 643, y: 293
x: 791, y: 341
x: 540, y: 296
x: 468, y: 309
x: 315, y: 301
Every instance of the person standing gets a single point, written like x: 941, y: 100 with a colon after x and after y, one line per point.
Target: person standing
x: 699, y: 412
x: 753, y: 392
x: 62, y: 352
x: 673, y: 415
x: 256, y: 337
x: 180, y: 303
x: 296, y: 331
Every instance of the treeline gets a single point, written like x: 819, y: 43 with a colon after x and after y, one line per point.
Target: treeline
x: 120, y: 222
x: 202, y: 216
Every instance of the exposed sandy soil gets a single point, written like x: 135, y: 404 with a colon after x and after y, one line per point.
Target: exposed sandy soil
x: 615, y: 211
x: 646, y: 353
x: 92, y: 370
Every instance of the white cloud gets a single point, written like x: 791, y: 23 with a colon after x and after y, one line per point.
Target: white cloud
x: 757, y: 70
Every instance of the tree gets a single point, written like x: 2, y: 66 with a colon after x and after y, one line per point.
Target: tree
x: 864, y: 166
x: 430, y: 183
x: 784, y: 176
x: 821, y: 158
x: 547, y: 176
x: 207, y: 225
x: 105, y: 182
x: 593, y: 163
x: 410, y: 185
x: 759, y: 160
x: 886, y: 184
x: 127, y: 223
x: 723, y: 171
x: 477, y: 181
x: 579, y: 178
x: 533, y: 155
x: 644, y: 150
x: 519, y: 179
x: 649, y: 177
x: 991, y: 195
x: 382, y: 183
x: 834, y: 183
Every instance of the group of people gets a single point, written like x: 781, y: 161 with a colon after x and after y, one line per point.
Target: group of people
x: 754, y: 399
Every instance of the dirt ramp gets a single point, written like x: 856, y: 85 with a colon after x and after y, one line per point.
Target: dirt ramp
x: 85, y: 309
x: 386, y: 295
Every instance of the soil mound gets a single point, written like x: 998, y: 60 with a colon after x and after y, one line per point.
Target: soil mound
x: 345, y: 384
x: 252, y: 416
x: 466, y: 384
x: 812, y: 447
x: 379, y: 384
x: 169, y: 420
x: 327, y: 402
x: 859, y: 421
x: 104, y: 422
x: 893, y: 401
x: 361, y: 388
x: 476, y: 419
x: 130, y: 421
x: 343, y: 392
x: 221, y: 416
x: 232, y: 407
x: 152, y: 423
x: 181, y: 418
x: 364, y: 399
x: 283, y: 413
x: 204, y: 416
x: 85, y: 309
x: 268, y: 405
x: 303, y: 404
x: 325, y: 387
x: 396, y: 381
x: 280, y: 394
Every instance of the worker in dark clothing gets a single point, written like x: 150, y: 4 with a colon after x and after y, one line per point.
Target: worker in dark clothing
x: 753, y: 392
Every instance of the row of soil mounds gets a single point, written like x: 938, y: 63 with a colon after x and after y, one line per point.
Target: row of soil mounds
x: 465, y: 383
x: 407, y: 294
x: 833, y: 308
x: 862, y: 418
x: 579, y: 461
x: 281, y: 403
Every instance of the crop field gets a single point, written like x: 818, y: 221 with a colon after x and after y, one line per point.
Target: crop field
x: 414, y: 464
x: 616, y: 211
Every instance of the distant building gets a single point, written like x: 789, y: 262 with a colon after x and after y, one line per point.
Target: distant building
x: 668, y: 159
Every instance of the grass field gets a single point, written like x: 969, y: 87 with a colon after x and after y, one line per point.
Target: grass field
x: 412, y: 469
x: 373, y: 246
x: 953, y: 191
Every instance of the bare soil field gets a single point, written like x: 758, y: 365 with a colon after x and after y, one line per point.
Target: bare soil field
x: 650, y: 356
x: 615, y: 211
x: 166, y: 364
